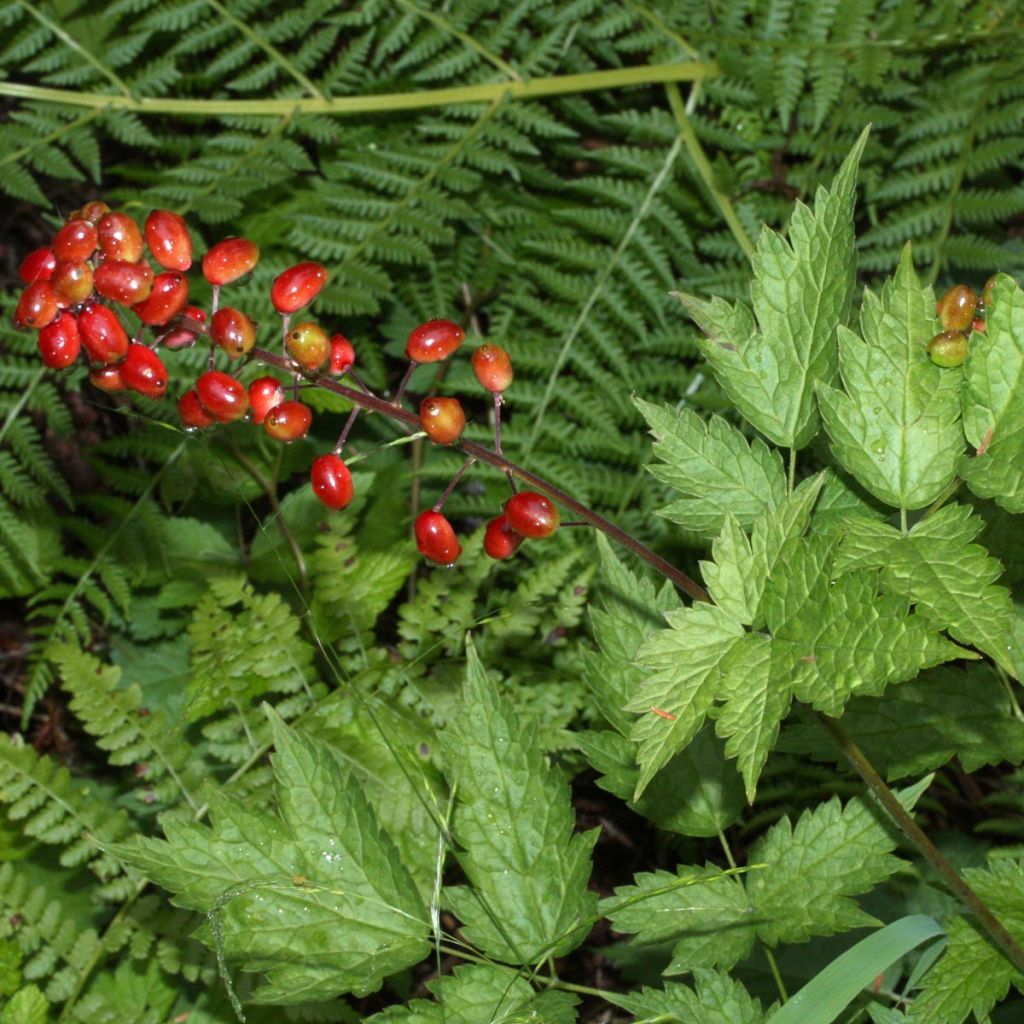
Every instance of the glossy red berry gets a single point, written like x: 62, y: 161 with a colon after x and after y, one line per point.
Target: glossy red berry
x: 956, y: 308
x: 531, y: 514
x: 297, y: 286
x: 76, y: 240
x: 948, y: 349
x: 120, y: 238
x: 264, y: 394
x: 124, y: 282
x: 166, y: 299
x: 331, y: 480
x: 500, y: 540
x: 229, y: 260
x: 343, y: 355
x: 288, y: 421
x: 436, y: 539
x: 433, y: 341
x: 37, y: 306
x: 143, y: 371
x: 308, y: 345
x: 102, y: 335
x: 38, y: 265
x: 59, y: 343
x: 442, y: 419
x: 233, y: 331
x: 72, y: 282
x: 94, y: 211
x: 107, y: 378
x: 168, y: 239
x: 492, y: 366
x: 223, y: 397
x: 193, y: 415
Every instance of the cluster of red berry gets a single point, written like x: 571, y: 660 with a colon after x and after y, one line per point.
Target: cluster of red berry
x: 961, y: 310
x: 94, y: 272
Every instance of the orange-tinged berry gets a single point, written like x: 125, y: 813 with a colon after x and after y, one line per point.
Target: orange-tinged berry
x: 94, y: 211
x: 956, y: 308
x: 308, y: 345
x: 288, y: 421
x: 297, y: 286
x: 233, y: 331
x: 120, y: 238
x: 442, y: 419
x: 72, y: 282
x: 37, y: 306
x: 168, y: 239
x: 433, y: 341
x: 229, y: 260
x: 492, y: 366
x: 124, y: 282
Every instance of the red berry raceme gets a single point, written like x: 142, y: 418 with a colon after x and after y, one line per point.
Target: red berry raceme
x: 331, y: 480
x: 264, y: 394
x: 297, y: 286
x: 500, y: 540
x: 435, y: 538
x: 223, y: 397
x: 493, y: 367
x: 442, y: 419
x: 229, y: 260
x: 288, y: 421
x: 343, y: 355
x: 433, y: 341
x: 168, y: 240
x: 531, y: 514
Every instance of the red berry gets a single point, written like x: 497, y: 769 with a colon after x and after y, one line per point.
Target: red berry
x: 143, y: 371
x: 38, y: 265
x: 288, y: 421
x: 343, y: 355
x: 223, y: 397
x: 297, y: 286
x: 264, y: 394
x: 166, y: 300
x: 229, y: 260
x: 94, y: 211
x: 37, y: 306
x: 500, y: 540
x: 102, y: 335
x: 72, y: 282
x: 978, y: 325
x: 233, y: 331
x: 124, y: 282
x: 531, y: 514
x: 193, y: 415
x: 436, y: 539
x: 59, y: 343
x: 120, y: 238
x: 77, y: 240
x: 107, y: 378
x: 442, y: 419
x: 168, y: 239
x: 331, y: 480
x: 433, y: 341
x: 308, y: 345
x: 956, y: 308
x: 492, y: 367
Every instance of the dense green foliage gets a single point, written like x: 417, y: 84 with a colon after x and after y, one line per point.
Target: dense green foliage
x: 350, y: 771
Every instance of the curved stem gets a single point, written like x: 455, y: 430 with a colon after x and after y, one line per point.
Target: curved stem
x: 477, y: 451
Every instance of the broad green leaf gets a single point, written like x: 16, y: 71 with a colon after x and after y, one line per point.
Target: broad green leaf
x: 993, y: 400
x: 483, y: 994
x: 823, y: 999
x: 714, y: 466
x: 840, y: 498
x: 714, y: 999
x: 527, y: 895
x: 921, y: 725
x: 628, y: 611
x: 698, y: 792
x: 316, y: 897
x: 896, y: 426
x: 801, y: 293
x: 973, y: 975
x: 937, y: 568
x: 26, y: 1006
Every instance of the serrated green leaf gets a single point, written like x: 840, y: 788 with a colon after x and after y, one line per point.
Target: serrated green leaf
x: 922, y: 724
x: 698, y: 792
x: 973, y: 974
x: 718, y: 470
x: 26, y: 1006
x: 801, y: 292
x: 317, y: 898
x: 895, y: 427
x: 527, y: 896
x: 714, y: 999
x: 629, y: 609
x: 937, y: 568
x: 993, y: 400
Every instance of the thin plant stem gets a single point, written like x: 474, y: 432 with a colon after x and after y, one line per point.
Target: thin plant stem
x: 404, y: 384
x: 497, y: 436
x: 343, y: 436
x: 791, y: 480
x: 439, y: 504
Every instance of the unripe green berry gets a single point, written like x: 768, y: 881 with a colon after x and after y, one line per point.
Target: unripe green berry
x: 948, y: 349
